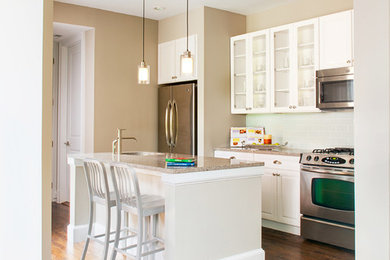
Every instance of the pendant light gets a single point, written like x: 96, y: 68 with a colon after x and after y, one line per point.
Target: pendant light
x: 186, y: 60
x: 143, y: 69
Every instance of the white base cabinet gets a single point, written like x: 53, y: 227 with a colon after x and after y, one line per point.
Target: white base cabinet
x: 280, y: 188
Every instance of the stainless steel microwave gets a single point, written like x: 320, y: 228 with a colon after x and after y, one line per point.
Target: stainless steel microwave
x: 334, y: 88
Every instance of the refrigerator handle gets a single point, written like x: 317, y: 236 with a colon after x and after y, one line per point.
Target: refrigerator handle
x: 168, y: 108
x: 171, y: 124
x: 176, y: 121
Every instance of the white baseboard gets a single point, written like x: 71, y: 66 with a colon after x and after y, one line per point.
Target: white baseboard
x: 257, y: 254
x: 77, y: 233
x: 281, y: 227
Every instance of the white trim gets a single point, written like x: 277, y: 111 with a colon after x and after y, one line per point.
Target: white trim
x: 281, y: 227
x: 257, y: 254
x: 77, y: 233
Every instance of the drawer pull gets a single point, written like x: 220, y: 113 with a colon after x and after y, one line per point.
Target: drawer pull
x: 276, y: 174
x: 232, y: 157
x: 277, y: 162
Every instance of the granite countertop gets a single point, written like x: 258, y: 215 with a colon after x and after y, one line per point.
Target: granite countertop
x: 156, y: 162
x: 276, y: 151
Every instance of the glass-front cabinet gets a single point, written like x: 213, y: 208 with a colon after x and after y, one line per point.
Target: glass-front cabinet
x: 259, y: 49
x: 273, y: 70
x: 307, y: 62
x: 294, y: 61
x: 250, y: 73
x: 282, y: 61
x: 239, y: 73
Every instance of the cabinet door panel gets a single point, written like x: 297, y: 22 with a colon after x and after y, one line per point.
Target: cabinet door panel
x: 289, y: 197
x: 166, y: 62
x: 268, y: 197
x: 336, y: 40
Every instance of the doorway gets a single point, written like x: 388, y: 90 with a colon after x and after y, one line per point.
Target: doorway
x: 73, y: 94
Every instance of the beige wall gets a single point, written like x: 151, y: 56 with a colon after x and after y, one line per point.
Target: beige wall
x: 47, y: 126
x: 119, y: 101
x: 219, y: 27
x: 294, y: 12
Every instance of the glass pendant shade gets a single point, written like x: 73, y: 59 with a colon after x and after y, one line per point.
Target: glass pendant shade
x: 143, y: 73
x: 186, y: 63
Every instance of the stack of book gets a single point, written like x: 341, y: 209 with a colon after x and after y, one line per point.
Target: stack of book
x: 180, y: 162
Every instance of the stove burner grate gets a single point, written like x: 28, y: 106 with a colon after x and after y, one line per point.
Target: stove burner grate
x: 337, y: 150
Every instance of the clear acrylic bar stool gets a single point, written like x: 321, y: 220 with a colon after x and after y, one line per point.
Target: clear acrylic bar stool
x: 147, y: 207
x: 98, y: 190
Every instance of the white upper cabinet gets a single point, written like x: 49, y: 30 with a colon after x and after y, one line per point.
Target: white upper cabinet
x: 336, y: 44
x: 282, y: 69
x: 239, y: 74
x: 169, y: 60
x: 250, y: 77
x: 294, y: 61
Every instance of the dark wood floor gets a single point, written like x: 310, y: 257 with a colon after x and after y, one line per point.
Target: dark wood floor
x: 277, y: 245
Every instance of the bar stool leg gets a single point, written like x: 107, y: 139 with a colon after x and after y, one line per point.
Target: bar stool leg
x: 140, y: 236
x: 117, y: 233
x: 108, y: 224
x: 89, y: 230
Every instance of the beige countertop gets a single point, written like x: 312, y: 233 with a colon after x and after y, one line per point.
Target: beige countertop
x: 276, y: 151
x: 156, y: 162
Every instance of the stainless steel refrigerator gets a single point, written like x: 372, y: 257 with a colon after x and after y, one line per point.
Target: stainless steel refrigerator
x: 177, y: 128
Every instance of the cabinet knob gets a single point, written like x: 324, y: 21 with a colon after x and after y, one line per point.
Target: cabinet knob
x: 275, y: 174
x: 348, y: 61
x: 277, y: 162
x: 232, y: 157
x: 294, y: 107
x: 290, y: 107
x: 174, y: 77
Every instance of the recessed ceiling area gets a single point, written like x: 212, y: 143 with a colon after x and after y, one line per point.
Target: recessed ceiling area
x: 160, y: 9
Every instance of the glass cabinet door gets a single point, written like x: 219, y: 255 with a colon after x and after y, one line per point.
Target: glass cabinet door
x: 260, y: 71
x: 281, y: 66
x: 306, y: 62
x: 239, y: 61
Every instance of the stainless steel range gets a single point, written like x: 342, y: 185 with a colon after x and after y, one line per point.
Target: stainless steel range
x: 327, y: 196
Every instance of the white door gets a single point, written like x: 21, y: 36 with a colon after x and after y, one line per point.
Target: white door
x: 289, y: 197
x: 268, y: 196
x: 336, y: 40
x: 70, y: 119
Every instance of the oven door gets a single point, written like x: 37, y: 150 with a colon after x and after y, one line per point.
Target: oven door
x: 335, y: 92
x: 327, y: 194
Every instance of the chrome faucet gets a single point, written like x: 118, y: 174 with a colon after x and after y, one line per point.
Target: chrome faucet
x: 117, y: 143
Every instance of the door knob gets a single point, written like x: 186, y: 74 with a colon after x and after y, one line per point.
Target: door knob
x: 67, y: 143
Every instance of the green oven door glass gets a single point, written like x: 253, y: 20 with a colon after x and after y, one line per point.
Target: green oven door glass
x: 335, y: 194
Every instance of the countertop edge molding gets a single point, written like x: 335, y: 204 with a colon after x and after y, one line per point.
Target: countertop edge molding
x: 211, y: 176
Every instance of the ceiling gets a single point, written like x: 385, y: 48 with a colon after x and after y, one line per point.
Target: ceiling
x: 173, y: 7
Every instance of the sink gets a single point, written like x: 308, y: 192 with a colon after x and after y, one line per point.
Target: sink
x: 143, y: 153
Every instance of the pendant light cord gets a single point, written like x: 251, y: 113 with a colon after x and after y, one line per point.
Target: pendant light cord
x: 187, y: 25
x: 143, y: 32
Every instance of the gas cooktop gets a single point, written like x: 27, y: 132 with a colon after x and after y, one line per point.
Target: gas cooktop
x: 331, y: 157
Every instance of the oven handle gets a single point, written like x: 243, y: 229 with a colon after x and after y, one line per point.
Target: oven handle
x: 327, y: 171
x: 328, y: 223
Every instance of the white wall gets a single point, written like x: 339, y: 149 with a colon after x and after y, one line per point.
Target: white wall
x: 372, y: 128
x: 24, y: 172
x: 309, y: 130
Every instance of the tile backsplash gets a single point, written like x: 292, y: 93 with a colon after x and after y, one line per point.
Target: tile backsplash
x: 308, y: 130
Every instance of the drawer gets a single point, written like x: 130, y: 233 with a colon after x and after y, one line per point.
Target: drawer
x: 234, y: 155
x: 278, y: 161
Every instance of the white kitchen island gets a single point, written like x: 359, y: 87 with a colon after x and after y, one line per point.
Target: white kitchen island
x: 212, y: 211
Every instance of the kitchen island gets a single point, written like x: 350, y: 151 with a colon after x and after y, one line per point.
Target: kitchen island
x: 212, y: 210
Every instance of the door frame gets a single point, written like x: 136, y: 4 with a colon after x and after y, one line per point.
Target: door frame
x: 86, y: 37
